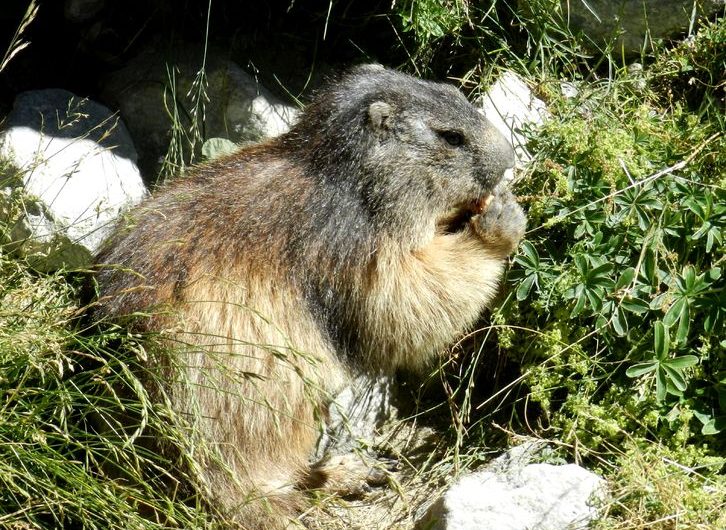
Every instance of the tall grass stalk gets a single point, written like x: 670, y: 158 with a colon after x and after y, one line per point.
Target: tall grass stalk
x: 17, y: 44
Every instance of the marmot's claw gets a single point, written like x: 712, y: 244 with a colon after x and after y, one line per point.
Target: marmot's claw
x: 379, y: 473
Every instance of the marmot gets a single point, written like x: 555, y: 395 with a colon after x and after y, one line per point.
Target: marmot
x: 368, y: 237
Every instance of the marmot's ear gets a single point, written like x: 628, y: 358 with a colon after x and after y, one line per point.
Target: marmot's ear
x: 380, y: 113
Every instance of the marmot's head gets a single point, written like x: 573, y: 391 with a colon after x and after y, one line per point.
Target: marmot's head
x: 406, y: 145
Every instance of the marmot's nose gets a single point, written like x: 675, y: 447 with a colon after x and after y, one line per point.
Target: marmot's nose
x: 503, y: 145
x: 497, y: 156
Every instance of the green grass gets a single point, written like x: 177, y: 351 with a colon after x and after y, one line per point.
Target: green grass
x: 66, y: 459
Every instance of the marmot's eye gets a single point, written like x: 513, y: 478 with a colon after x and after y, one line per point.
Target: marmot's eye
x: 453, y: 138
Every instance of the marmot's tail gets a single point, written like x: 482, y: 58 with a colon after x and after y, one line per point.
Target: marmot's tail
x: 269, y: 512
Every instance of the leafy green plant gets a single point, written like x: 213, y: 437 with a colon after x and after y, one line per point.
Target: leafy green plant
x: 620, y: 282
x: 429, y: 20
x: 532, y: 272
x: 669, y: 372
x: 624, y: 255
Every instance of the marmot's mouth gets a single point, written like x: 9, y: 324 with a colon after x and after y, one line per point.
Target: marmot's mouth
x: 459, y: 216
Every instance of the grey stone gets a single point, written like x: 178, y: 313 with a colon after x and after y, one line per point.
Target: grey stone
x: 512, y: 494
x: 236, y: 106
x: 82, y: 10
x: 76, y: 172
x: 356, y: 414
x: 633, y: 22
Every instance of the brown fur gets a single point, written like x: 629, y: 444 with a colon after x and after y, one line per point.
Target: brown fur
x: 276, y: 271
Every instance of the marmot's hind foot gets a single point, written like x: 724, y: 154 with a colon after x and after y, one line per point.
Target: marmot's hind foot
x: 349, y: 475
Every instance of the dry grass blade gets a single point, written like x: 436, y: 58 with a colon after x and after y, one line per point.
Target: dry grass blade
x: 17, y: 44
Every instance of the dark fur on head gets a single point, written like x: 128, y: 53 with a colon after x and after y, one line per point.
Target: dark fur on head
x: 355, y: 130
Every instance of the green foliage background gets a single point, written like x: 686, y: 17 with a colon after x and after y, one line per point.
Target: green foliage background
x: 626, y: 253
x: 616, y: 301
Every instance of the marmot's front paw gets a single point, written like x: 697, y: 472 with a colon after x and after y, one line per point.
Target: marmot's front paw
x: 502, y: 222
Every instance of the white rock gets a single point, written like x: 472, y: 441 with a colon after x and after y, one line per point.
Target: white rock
x: 511, y: 107
x: 250, y: 111
x: 568, y: 90
x: 78, y: 173
x: 514, y: 497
